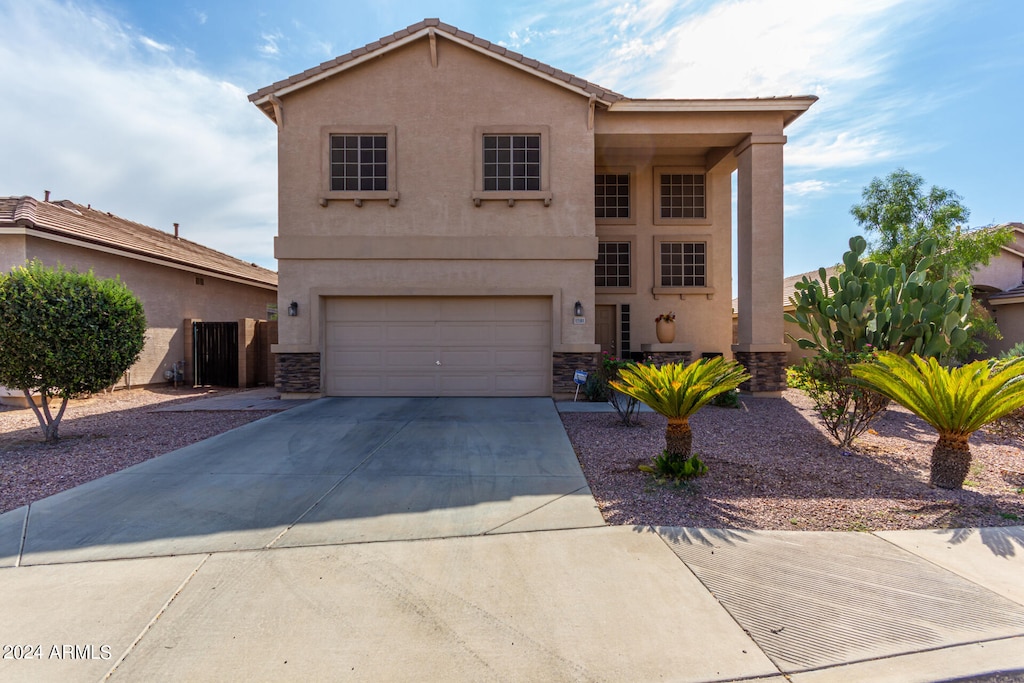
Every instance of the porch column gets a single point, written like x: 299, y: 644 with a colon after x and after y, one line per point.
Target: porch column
x: 761, y: 346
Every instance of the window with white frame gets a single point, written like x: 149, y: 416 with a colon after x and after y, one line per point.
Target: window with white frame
x: 682, y: 195
x: 359, y: 162
x: 613, y: 266
x: 611, y: 195
x: 683, y: 264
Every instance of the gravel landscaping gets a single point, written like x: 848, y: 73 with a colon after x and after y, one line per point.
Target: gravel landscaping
x: 772, y: 466
x: 101, y: 435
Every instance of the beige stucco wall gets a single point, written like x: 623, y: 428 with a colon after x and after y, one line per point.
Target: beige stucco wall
x: 703, y: 320
x: 169, y: 296
x: 436, y: 114
x: 1002, y: 272
x: 1010, y: 318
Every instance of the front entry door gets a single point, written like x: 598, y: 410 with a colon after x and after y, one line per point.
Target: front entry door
x: 605, y: 329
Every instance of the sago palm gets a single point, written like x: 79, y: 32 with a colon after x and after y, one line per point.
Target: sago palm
x: 677, y: 392
x: 956, y: 402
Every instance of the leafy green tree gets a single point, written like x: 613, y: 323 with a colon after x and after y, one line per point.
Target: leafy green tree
x: 678, y: 391
x: 901, y: 217
x: 63, y: 334
x: 956, y: 402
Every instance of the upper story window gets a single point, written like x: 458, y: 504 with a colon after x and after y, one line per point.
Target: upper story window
x: 359, y: 162
x: 611, y: 195
x: 682, y: 195
x: 612, y: 268
x: 683, y: 264
x: 511, y: 162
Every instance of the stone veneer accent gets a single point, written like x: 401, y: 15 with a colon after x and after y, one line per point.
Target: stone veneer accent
x: 298, y: 373
x: 660, y: 358
x: 767, y: 370
x: 565, y: 365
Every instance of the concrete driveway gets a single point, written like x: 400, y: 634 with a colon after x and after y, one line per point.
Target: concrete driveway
x: 456, y: 540
x: 331, y: 472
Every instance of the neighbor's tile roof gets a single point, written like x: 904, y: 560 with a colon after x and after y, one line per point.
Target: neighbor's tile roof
x: 85, y: 224
x: 789, y: 285
x: 382, y: 44
x: 1014, y: 293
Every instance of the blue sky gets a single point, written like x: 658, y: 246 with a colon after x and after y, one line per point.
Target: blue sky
x: 139, y: 108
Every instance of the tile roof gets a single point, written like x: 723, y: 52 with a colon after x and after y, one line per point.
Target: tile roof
x: 447, y: 31
x: 1014, y: 293
x: 789, y: 285
x: 92, y: 226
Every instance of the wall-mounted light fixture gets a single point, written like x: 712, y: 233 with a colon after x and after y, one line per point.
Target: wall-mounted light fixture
x: 577, y: 310
x: 293, y: 308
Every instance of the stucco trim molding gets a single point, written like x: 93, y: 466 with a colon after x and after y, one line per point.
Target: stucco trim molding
x: 419, y: 248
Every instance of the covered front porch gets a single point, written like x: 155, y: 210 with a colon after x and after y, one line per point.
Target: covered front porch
x: 665, y: 227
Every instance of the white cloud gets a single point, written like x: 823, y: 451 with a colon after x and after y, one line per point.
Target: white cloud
x: 270, y: 44
x: 101, y: 121
x: 803, y: 188
x: 841, y: 51
x: 153, y: 45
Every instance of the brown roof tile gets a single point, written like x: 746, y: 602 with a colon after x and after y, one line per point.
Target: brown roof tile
x: 453, y: 32
x: 93, y: 226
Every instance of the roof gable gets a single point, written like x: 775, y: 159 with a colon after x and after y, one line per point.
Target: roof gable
x: 427, y: 29
x: 85, y: 225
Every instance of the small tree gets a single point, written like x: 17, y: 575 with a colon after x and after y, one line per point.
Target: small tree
x: 677, y: 392
x: 956, y: 402
x: 64, y: 333
x: 901, y: 218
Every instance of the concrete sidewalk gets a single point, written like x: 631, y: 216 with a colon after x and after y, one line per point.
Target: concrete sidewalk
x: 423, y: 539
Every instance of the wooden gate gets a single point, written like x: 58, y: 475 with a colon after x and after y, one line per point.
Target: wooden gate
x: 215, y: 354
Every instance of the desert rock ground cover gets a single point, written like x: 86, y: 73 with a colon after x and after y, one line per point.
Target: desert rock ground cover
x: 773, y: 467
x: 100, y: 435
x: 771, y: 464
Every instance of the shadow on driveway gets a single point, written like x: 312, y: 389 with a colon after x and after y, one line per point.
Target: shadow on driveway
x: 334, y: 471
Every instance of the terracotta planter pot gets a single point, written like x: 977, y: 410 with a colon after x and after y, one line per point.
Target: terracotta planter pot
x: 666, y: 331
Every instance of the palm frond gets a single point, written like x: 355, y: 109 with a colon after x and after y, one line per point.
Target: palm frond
x: 676, y: 390
x: 952, y: 400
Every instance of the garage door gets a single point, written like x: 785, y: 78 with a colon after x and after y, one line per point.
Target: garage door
x: 449, y: 346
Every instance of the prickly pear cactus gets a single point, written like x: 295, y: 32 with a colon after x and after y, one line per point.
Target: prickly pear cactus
x: 881, y: 306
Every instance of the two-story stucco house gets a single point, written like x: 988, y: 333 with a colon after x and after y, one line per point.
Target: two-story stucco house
x: 458, y: 219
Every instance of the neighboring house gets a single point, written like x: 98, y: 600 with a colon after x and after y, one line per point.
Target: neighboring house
x: 999, y: 285
x: 177, y: 280
x: 457, y: 219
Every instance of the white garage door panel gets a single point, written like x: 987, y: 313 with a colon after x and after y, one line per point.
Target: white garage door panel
x: 511, y: 385
x: 486, y: 346
x: 466, y: 385
x: 357, y: 359
x: 529, y: 334
x: 362, y: 385
x: 516, y: 358
x: 402, y: 384
x: 466, y: 334
x: 460, y: 359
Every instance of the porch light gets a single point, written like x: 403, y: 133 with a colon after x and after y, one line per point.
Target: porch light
x: 577, y: 310
x: 293, y: 308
